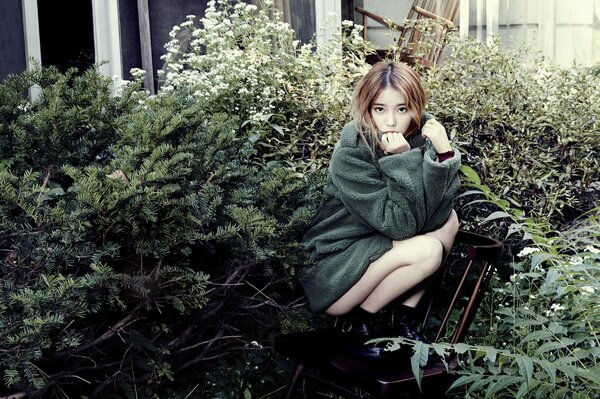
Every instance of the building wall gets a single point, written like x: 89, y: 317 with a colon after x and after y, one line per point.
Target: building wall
x: 12, y: 40
x: 563, y: 30
x: 163, y: 15
x: 130, y: 37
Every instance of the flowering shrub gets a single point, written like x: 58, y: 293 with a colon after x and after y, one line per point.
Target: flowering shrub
x: 530, y: 129
x: 536, y: 334
x: 293, y: 99
x: 545, y: 324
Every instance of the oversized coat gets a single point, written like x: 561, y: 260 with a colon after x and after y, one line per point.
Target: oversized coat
x: 373, y: 200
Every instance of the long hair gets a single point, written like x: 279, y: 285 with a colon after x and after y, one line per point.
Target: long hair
x: 384, y: 74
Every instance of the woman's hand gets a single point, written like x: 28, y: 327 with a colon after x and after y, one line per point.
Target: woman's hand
x: 394, y: 143
x: 435, y: 132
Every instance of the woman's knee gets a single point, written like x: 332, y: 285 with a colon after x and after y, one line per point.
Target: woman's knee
x: 447, y: 232
x: 450, y: 228
x: 433, y: 256
x: 427, y: 251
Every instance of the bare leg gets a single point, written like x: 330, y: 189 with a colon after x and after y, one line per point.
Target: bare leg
x: 408, y: 263
x: 416, y: 258
x: 447, y: 232
x: 446, y: 235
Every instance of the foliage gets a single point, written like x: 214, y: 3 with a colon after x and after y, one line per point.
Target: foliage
x: 529, y: 128
x: 539, y: 337
x: 294, y: 99
x: 150, y: 219
x: 148, y: 244
x: 141, y: 235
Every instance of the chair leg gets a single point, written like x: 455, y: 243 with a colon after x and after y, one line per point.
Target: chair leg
x: 295, y: 376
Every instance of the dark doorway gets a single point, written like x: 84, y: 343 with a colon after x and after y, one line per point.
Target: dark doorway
x: 66, y: 33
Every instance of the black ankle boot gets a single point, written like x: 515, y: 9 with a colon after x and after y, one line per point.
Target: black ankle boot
x: 403, y: 322
x: 358, y: 327
x: 358, y: 321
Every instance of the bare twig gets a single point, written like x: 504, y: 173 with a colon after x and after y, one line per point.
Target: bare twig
x: 208, y: 342
x: 17, y: 395
x: 120, y: 325
x: 45, y: 183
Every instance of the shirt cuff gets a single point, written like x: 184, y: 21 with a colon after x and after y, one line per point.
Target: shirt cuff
x: 445, y: 155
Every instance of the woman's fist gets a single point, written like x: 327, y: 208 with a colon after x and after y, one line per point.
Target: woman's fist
x: 394, y: 143
x: 435, y: 132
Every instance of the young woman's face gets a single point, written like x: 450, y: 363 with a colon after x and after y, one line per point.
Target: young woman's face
x: 390, y: 112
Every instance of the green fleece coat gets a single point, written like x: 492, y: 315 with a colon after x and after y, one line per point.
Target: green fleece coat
x: 373, y: 201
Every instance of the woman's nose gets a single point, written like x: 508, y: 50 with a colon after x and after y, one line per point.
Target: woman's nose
x: 391, y: 120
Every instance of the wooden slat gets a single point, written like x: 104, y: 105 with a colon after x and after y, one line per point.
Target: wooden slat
x: 378, y: 18
x: 433, y: 16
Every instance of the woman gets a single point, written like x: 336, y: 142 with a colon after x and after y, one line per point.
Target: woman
x: 388, y: 221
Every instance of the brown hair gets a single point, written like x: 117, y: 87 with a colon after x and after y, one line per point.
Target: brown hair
x: 382, y: 75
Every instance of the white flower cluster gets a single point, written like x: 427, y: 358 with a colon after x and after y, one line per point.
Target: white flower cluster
x: 557, y: 307
x: 592, y: 249
x: 242, y: 58
x: 236, y: 52
x: 527, y: 251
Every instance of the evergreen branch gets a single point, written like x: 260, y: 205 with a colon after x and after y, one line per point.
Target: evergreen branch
x: 269, y: 301
x: 202, y: 355
x: 234, y: 279
x: 71, y: 373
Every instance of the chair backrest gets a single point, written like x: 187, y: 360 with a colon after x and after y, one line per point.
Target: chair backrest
x: 424, y: 37
x: 466, y: 275
x: 446, y: 9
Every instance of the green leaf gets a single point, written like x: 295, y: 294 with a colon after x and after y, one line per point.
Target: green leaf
x: 496, y: 215
x: 543, y: 390
x: 551, y: 346
x: 479, y: 384
x: 491, y: 353
x: 278, y: 128
x: 549, y: 369
x: 461, y: 348
x: 590, y: 376
x: 470, y: 174
x: 525, y: 368
x: 535, y: 335
x: 419, y: 359
x: 525, y: 389
x: 464, y: 380
x: 540, y: 257
x: 501, y: 383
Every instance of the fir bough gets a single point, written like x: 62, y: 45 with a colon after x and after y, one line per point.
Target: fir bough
x: 129, y: 226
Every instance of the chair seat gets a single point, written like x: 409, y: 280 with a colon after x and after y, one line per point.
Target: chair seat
x: 322, y: 351
x: 308, y: 346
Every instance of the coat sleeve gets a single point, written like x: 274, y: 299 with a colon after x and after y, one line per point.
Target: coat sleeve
x: 390, y: 203
x: 441, y: 184
x: 436, y: 183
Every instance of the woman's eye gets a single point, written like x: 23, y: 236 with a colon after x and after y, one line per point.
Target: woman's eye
x: 378, y: 109
x: 402, y: 110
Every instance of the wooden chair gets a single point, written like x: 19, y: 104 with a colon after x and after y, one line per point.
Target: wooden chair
x: 419, y: 42
x: 465, y: 277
